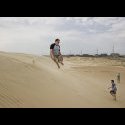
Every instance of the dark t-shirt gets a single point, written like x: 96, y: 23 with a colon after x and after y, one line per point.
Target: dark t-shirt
x: 114, y: 87
x: 55, y: 48
x: 52, y: 46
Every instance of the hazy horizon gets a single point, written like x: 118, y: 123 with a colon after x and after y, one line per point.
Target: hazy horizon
x: 34, y: 35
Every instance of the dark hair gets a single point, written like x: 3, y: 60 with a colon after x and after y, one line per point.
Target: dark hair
x: 112, y: 80
x: 57, y: 40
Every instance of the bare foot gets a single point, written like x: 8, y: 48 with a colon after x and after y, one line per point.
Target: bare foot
x: 62, y: 63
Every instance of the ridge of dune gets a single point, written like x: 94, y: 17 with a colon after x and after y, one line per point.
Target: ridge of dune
x: 82, y: 82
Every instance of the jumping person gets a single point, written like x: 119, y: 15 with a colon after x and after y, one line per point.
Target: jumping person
x: 55, y: 53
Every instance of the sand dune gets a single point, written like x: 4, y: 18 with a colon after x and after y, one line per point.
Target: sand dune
x: 82, y: 82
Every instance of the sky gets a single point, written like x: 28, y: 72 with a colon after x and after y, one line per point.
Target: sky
x: 78, y: 35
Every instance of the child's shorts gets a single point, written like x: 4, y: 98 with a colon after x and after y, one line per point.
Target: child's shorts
x: 113, y: 92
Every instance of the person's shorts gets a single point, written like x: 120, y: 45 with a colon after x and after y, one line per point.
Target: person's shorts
x: 113, y: 92
x: 58, y: 58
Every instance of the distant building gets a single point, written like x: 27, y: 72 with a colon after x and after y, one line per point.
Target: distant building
x: 103, y: 55
x: 115, y: 54
x: 96, y: 54
x: 87, y: 55
x: 122, y: 56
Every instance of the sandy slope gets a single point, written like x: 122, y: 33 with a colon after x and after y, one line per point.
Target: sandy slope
x: 82, y: 82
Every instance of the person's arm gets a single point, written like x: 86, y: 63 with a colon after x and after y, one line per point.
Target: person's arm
x: 60, y: 53
x: 51, y: 54
x: 109, y: 87
x: 51, y: 51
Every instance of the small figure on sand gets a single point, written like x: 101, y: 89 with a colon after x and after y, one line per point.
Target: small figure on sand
x: 55, y: 53
x: 113, y: 89
x: 33, y: 61
x: 118, y: 78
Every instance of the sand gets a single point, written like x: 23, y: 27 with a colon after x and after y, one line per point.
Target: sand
x: 28, y: 81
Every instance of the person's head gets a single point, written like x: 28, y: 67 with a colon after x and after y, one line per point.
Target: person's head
x: 57, y: 41
x: 112, y: 81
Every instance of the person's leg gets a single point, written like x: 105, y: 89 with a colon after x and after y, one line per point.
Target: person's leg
x: 115, y: 97
x: 60, y: 60
x: 111, y: 92
x: 57, y: 64
x: 56, y: 61
x: 62, y: 63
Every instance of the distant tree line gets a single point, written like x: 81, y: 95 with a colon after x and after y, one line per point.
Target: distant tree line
x: 96, y: 55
